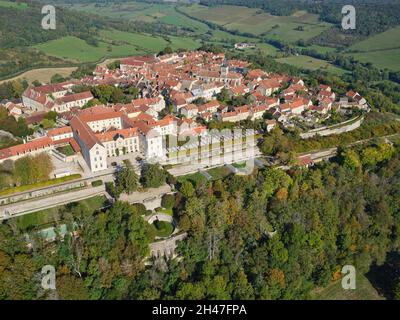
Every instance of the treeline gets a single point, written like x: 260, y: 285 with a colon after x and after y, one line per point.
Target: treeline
x: 26, y: 170
x: 287, y: 144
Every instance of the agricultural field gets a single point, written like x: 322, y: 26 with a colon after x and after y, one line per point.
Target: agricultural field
x: 382, y: 50
x: 140, y: 11
x: 385, y: 59
x: 383, y: 41
x: 300, y: 25
x: 306, y: 62
x: 42, y: 75
x: 112, y: 43
x: 364, y: 291
x: 77, y: 50
x: 15, y: 5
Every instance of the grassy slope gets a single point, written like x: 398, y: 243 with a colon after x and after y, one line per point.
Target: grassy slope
x: 364, y: 291
x: 8, y: 4
x: 257, y: 22
x: 307, y: 62
x: 382, y: 50
x: 385, y: 40
x: 164, y: 13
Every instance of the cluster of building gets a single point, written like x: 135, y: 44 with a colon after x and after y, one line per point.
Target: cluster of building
x: 189, y: 82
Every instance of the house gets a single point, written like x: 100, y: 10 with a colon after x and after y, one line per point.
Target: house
x: 324, y: 87
x: 211, y: 107
x: 356, y: 97
x: 239, y: 114
x: 36, y: 98
x: 305, y: 161
x: 189, y: 111
x: 14, y: 110
x: 270, y: 124
x: 257, y: 112
x: 268, y: 87
x: 156, y: 104
x: 69, y: 101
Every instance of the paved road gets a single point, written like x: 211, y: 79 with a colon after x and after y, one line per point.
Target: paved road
x: 29, y: 206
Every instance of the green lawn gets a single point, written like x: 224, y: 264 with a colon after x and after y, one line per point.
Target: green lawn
x: 311, y: 63
x: 165, y: 211
x: 66, y: 150
x: 44, y: 218
x: 163, y: 228
x: 195, y: 178
x: 218, y: 173
x: 364, y: 291
x: 14, y: 5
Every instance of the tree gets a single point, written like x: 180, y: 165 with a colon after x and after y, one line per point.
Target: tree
x: 127, y: 179
x: 71, y: 288
x: 57, y: 78
x: 168, y: 201
x: 187, y: 189
x: 51, y: 115
x: 47, y: 124
x: 152, y: 176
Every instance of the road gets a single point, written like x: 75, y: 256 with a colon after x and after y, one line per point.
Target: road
x: 29, y: 206
x: 151, y: 198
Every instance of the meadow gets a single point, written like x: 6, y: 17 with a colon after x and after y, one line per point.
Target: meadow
x: 15, y: 5
x: 139, y: 11
x: 300, y: 25
x: 382, y: 50
x: 306, y: 62
x: 112, y: 43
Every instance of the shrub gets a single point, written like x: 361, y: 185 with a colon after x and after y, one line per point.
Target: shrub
x: 97, y: 183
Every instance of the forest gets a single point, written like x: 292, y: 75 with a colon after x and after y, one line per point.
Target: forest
x: 270, y: 235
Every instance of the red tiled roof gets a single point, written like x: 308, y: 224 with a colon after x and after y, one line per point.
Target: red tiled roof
x: 82, y: 130
x: 58, y: 131
x: 33, y: 145
x: 110, y: 135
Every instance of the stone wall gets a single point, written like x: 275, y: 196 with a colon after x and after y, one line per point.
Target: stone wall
x: 336, y: 129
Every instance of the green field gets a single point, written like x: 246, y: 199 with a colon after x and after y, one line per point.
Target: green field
x: 382, y: 41
x: 389, y: 59
x: 15, y: 5
x: 382, y: 50
x: 259, y: 22
x: 77, y: 50
x: 112, y: 43
x: 364, y: 291
x: 45, y: 218
x: 306, y: 62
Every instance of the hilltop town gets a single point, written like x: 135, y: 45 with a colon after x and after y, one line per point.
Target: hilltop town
x: 179, y: 95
